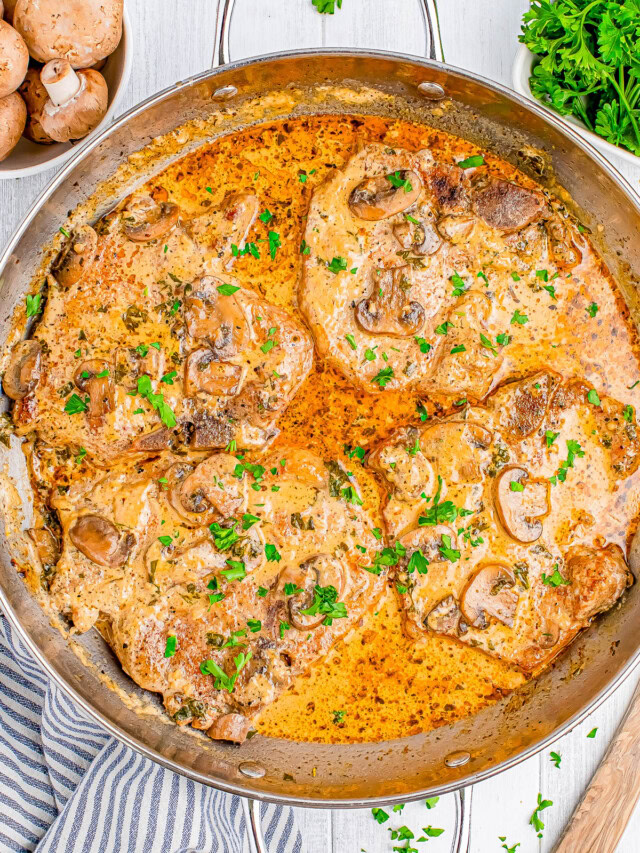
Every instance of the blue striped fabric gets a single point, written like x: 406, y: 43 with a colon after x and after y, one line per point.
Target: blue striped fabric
x: 67, y: 786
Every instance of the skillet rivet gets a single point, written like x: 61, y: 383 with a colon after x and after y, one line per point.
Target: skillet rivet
x: 457, y: 759
x: 433, y: 91
x: 251, y: 769
x: 224, y: 93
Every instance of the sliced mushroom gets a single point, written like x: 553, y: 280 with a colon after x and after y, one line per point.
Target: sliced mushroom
x: 388, y: 310
x: 384, y: 196
x: 77, y: 257
x: 217, y: 318
x: 507, y: 206
x: 489, y: 593
x: 99, y: 540
x: 130, y: 364
x: 23, y: 370
x: 321, y: 570
x: 94, y: 377
x: 456, y: 229
x: 445, y: 617
x: 148, y: 220
x: 203, y: 372
x: 566, y: 245
x: 521, y: 503
x: 217, y: 231
x: 211, y: 486
x: 232, y: 727
x: 47, y: 546
x: 419, y: 239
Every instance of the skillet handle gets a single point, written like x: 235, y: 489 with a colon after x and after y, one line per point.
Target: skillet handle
x: 429, y: 18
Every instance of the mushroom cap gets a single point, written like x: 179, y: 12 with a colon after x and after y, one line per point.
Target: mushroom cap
x: 13, y: 117
x: 82, y: 113
x: 35, y: 97
x: 385, y: 195
x: 99, y: 540
x: 77, y: 256
x: 14, y: 59
x: 23, y: 369
x: 490, y: 592
x: 522, y: 503
x: 148, y: 220
x: 81, y: 31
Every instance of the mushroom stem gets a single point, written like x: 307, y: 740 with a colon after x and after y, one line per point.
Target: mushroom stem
x: 60, y: 80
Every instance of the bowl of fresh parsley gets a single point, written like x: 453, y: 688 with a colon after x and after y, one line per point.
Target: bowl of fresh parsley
x: 581, y: 59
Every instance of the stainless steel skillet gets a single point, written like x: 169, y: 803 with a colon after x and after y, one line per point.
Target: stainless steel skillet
x: 266, y: 88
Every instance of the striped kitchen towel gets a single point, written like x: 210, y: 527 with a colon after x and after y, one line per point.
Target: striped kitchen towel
x: 67, y: 786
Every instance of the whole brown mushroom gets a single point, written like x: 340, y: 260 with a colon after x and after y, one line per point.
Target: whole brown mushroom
x: 35, y: 97
x: 14, y: 59
x: 77, y: 101
x: 80, y: 31
x: 13, y: 117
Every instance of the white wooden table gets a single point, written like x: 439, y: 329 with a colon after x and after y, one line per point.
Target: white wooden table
x: 174, y: 40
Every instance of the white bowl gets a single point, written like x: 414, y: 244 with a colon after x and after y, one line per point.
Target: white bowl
x: 29, y: 158
x: 522, y: 68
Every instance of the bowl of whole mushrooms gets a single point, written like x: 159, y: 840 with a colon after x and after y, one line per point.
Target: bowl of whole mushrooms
x: 63, y: 68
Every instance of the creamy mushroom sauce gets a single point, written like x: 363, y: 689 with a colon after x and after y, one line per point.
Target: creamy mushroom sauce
x: 419, y: 309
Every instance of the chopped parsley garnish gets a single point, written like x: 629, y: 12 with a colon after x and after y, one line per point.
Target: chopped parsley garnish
x: 458, y: 348
x: 265, y: 216
x: 418, y: 562
x: 459, y: 285
x: 33, y: 305
x: 519, y: 318
x: 515, y: 276
x: 511, y: 849
x: 224, y: 537
x: 550, y: 290
x: 441, y: 513
x: 325, y: 600
x: 550, y: 437
x: 249, y: 520
x: 227, y: 289
x: 272, y: 554
x: 592, y: 309
x: 380, y: 815
x: 292, y: 589
x: 432, y: 802
x: 351, y: 496
x: 254, y: 625
x: 284, y: 626
x: 627, y: 414
x: 305, y: 249
x: 75, y: 405
x: 415, y: 448
x: 370, y: 354
x: 593, y: 397
x: 503, y: 339
x: 422, y: 343
x: 542, y: 274
x: 535, y: 820
x: 222, y: 680
x: 235, y: 572
x: 64, y: 231
x: 338, y: 717
x: 165, y: 540
x: 274, y: 243
x: 167, y: 378
x: 337, y: 265
x: 157, y: 401
x: 262, y: 592
x: 249, y: 249
x: 556, y: 758
x: 351, y: 341
x: 443, y: 328
x: 555, y: 579
x: 81, y: 454
x: 483, y: 277
x: 592, y: 733
x: 573, y: 450
x: 486, y: 343
x: 421, y: 409
x: 170, y: 647
x: 383, y: 377
x: 267, y: 346
x: 472, y: 162
x: 397, y: 181
x: 377, y: 532
x: 358, y: 452
x: 326, y: 7
x: 446, y: 551
x: 515, y: 486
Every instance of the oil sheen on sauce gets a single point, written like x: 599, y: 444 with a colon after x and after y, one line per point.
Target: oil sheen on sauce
x: 389, y: 685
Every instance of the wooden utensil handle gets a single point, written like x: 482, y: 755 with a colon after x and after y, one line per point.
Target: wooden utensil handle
x: 597, y: 824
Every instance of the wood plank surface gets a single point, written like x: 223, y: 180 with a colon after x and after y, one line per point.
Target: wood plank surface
x: 480, y: 35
